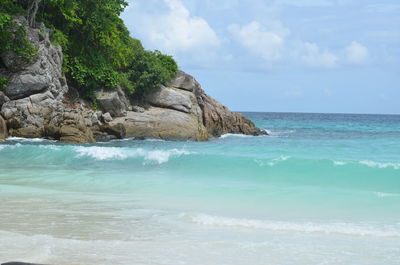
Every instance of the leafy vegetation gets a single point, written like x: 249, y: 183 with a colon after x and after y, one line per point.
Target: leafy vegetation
x: 14, y: 38
x: 98, y: 50
x: 3, y: 83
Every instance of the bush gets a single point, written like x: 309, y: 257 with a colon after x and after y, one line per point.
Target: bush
x: 149, y: 71
x: 14, y: 39
x: 3, y: 83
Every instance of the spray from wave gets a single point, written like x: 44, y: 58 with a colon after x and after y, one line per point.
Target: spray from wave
x: 117, y: 153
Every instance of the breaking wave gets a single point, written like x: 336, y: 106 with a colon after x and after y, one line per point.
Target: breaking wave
x: 354, y: 229
x: 117, y: 153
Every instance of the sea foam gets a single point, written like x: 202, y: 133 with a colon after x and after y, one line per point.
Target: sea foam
x: 374, y: 164
x: 354, y: 229
x: 29, y: 140
x: 116, y: 153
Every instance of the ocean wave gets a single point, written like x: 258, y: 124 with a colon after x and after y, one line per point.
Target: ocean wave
x: 280, y: 133
x: 374, y: 164
x: 355, y: 229
x: 9, y: 146
x: 116, y: 153
x: 339, y: 163
x: 233, y: 135
x: 29, y: 140
x: 272, y: 162
x: 385, y: 194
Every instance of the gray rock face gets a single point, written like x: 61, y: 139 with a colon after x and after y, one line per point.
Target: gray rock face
x: 171, y: 98
x: 184, y: 81
x: 3, y: 99
x: 113, y: 102
x: 3, y: 129
x: 44, y: 74
x: 219, y: 120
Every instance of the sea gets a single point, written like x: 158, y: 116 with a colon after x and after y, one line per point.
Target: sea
x: 320, y: 189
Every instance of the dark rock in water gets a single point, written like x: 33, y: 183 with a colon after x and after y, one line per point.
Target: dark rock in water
x: 3, y: 129
x: 20, y: 263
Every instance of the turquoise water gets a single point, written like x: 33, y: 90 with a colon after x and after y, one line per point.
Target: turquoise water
x: 321, y: 189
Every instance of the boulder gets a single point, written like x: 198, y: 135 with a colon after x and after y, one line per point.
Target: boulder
x: 163, y: 124
x: 113, y: 102
x: 184, y: 81
x: 3, y: 129
x: 106, y: 117
x: 3, y: 99
x: 118, y: 130
x: 72, y: 134
x: 171, y: 98
x: 27, y: 132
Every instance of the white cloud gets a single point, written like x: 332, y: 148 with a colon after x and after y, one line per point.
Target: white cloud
x: 176, y: 30
x: 265, y: 43
x: 310, y: 54
x: 356, y: 53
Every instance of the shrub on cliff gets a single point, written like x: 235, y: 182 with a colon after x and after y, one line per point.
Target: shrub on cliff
x: 13, y: 37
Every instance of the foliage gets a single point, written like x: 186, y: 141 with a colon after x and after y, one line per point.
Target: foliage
x: 13, y: 38
x: 3, y: 83
x: 98, y: 50
x: 150, y: 70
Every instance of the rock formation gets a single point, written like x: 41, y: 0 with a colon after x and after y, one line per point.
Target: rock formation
x: 35, y: 103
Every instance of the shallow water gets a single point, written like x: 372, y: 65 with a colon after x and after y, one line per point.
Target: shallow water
x: 322, y: 189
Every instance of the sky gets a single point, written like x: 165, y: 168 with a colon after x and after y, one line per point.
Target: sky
x: 325, y: 56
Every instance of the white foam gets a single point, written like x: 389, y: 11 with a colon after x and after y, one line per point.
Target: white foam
x: 339, y: 163
x: 32, y: 140
x: 374, y: 164
x: 356, y: 229
x: 272, y: 162
x: 281, y: 134
x: 50, y: 147
x: 117, y: 153
x: 233, y: 135
x: 385, y: 194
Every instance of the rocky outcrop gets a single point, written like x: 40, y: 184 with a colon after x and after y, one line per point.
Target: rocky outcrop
x: 164, y: 124
x: 32, y: 102
x: 219, y: 120
x: 36, y: 103
x: 183, y: 111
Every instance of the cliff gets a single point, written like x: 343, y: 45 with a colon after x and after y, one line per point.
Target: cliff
x: 37, y: 102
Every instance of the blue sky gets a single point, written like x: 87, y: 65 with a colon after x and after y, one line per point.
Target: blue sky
x: 338, y: 56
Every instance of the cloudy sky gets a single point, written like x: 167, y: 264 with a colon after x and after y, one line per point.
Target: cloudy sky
x: 281, y: 55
